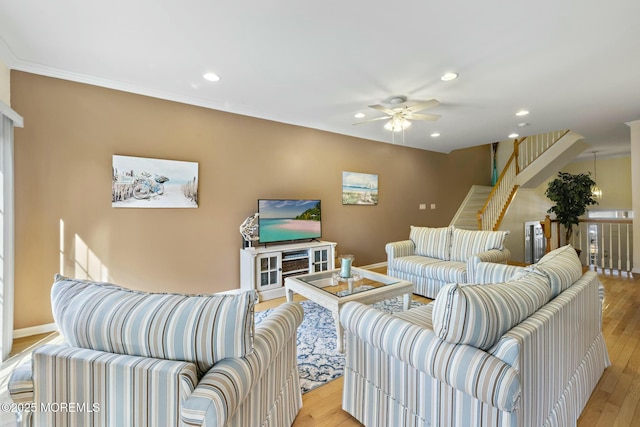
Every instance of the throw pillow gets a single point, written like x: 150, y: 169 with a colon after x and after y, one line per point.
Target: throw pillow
x: 201, y: 329
x: 491, y: 272
x: 562, y: 266
x: 466, y: 243
x: 478, y: 315
x: 431, y: 242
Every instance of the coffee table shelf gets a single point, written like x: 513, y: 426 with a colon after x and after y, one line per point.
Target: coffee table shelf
x: 330, y: 293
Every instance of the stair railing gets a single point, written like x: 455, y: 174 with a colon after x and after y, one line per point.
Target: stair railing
x: 605, y: 244
x: 491, y: 214
x: 531, y: 147
x: 525, y: 151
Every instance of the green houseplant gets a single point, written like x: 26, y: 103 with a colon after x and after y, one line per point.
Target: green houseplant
x: 571, y: 195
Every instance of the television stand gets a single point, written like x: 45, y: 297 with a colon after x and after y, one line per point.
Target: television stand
x: 265, y: 268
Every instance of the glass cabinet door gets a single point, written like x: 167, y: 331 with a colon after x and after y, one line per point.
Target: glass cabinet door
x: 269, y: 272
x: 320, y: 259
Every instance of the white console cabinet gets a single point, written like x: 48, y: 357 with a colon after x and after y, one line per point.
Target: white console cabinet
x: 265, y: 268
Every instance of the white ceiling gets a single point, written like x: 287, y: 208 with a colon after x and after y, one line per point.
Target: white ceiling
x: 574, y: 64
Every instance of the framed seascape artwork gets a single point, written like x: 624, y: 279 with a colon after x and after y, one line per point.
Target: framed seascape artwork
x: 359, y: 188
x: 140, y: 182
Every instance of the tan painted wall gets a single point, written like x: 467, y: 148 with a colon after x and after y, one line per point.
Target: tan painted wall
x: 5, y: 85
x: 530, y: 204
x: 63, y: 174
x: 614, y: 179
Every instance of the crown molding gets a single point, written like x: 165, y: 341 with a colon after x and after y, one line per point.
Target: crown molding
x: 6, y: 54
x: 58, y: 73
x: 45, y: 70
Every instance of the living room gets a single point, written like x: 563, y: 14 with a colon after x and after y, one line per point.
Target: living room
x: 66, y: 224
x: 64, y: 190
x: 67, y: 184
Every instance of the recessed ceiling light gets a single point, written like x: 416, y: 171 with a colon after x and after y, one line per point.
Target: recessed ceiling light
x: 449, y: 76
x: 522, y: 113
x: 212, y: 77
x: 513, y: 135
x: 358, y: 115
x: 435, y: 135
x: 523, y: 124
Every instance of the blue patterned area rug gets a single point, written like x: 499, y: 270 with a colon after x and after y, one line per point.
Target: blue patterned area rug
x: 318, y: 360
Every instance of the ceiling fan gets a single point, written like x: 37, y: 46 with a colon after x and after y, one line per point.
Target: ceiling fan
x: 400, y: 114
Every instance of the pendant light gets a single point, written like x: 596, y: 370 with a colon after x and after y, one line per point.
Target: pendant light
x: 596, y: 192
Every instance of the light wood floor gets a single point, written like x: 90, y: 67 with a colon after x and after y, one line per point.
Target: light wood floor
x: 614, y: 403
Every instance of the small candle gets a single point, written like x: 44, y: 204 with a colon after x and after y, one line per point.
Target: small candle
x: 345, y: 268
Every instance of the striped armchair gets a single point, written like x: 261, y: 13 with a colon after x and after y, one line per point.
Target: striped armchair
x: 142, y: 359
x: 524, y: 351
x: 433, y: 257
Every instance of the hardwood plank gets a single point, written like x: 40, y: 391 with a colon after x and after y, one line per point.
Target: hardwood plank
x: 21, y: 344
x: 629, y: 408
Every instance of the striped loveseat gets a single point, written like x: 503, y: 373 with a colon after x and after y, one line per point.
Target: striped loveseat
x: 522, y: 348
x: 142, y: 359
x: 433, y: 257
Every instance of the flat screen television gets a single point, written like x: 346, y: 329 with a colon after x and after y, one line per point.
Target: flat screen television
x: 287, y: 220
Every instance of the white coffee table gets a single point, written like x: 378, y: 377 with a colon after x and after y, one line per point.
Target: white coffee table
x: 331, y: 293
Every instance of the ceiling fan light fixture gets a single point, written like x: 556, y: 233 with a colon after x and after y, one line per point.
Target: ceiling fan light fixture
x: 397, y: 124
x: 359, y: 115
x: 397, y: 99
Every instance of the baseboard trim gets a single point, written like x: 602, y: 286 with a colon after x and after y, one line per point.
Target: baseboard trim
x: 377, y: 265
x: 34, y: 330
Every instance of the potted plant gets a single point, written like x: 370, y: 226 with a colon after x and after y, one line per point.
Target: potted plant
x: 571, y: 195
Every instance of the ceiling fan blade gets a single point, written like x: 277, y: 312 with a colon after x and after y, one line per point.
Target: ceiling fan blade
x: 372, y: 120
x: 423, y: 105
x: 429, y: 117
x: 383, y: 109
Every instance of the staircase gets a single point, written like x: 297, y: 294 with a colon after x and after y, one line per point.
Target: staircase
x: 534, y: 159
x: 467, y: 215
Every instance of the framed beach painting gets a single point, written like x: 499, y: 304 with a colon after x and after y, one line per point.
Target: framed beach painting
x: 359, y: 188
x: 140, y: 182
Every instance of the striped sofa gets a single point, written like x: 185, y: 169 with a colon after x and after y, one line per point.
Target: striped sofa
x: 433, y: 257
x: 142, y: 359
x: 522, y: 348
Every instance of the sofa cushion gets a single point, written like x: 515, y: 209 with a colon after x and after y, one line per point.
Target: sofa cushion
x: 465, y: 243
x: 421, y: 315
x: 431, y: 242
x: 491, y: 272
x: 478, y: 315
x: 432, y: 268
x: 562, y: 266
x: 201, y: 329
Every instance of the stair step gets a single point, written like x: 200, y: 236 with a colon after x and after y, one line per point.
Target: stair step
x: 468, y: 218
x: 466, y: 227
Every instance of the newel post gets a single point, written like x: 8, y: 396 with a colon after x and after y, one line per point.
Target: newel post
x: 546, y: 228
